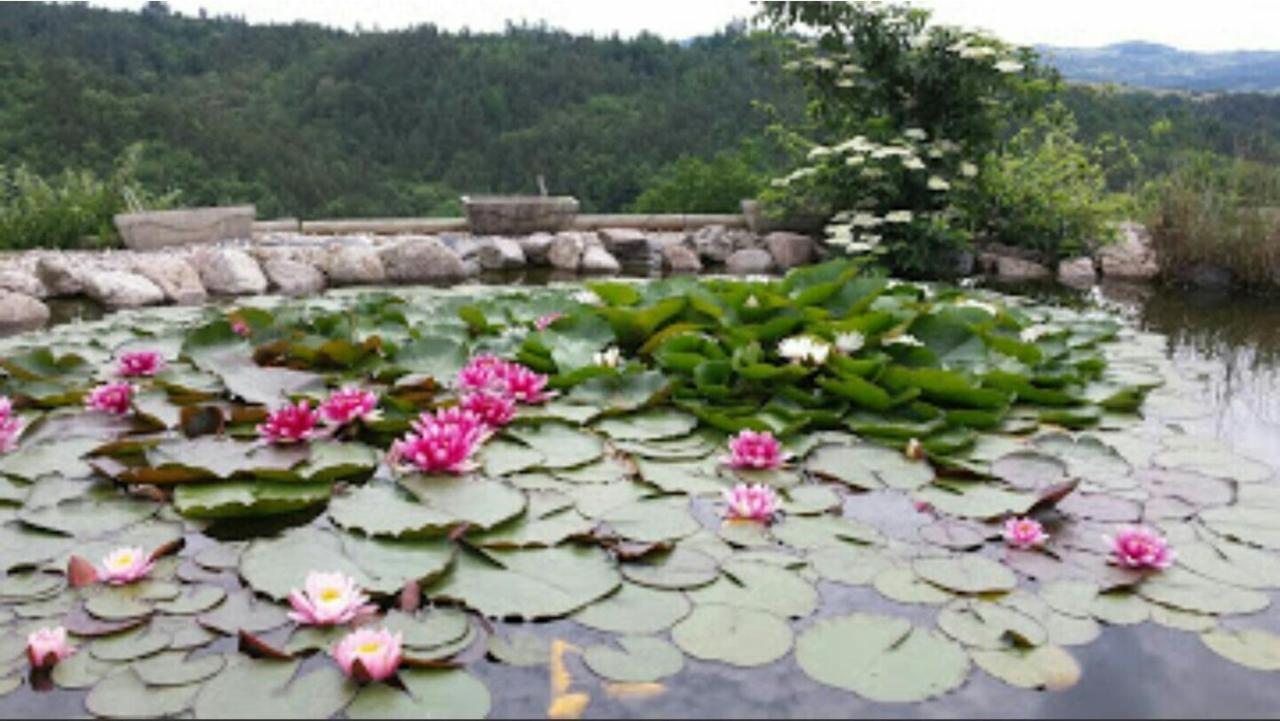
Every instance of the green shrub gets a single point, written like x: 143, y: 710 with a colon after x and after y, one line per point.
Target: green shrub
x: 1044, y: 191
x: 1220, y: 211
x: 71, y: 210
x: 694, y: 185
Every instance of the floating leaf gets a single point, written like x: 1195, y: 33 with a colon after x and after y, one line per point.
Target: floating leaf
x: 124, y: 695
x: 635, y: 610
x: 732, y: 634
x: 966, y: 574
x: 268, y: 689
x: 1253, y: 648
x: 641, y: 660
x: 529, y: 583
x: 427, y: 694
x: 1044, y: 667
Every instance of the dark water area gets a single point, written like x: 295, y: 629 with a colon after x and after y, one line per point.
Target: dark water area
x: 1231, y: 343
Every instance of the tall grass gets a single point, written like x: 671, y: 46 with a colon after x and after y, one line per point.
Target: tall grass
x: 70, y: 210
x: 1217, y: 211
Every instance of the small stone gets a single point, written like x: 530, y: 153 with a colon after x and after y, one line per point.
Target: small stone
x: 713, y: 243
x: 19, y: 311
x: 174, y: 276
x: 679, y: 259
x: 598, y: 260
x: 230, y: 271
x: 501, y: 254
x: 19, y: 281
x: 120, y: 289
x: 789, y: 249
x: 1009, y: 268
x: 536, y: 247
x: 60, y: 276
x: 422, y: 259
x: 292, y: 277
x: 354, y: 265
x: 566, y: 251
x: 1077, y: 272
x: 628, y: 245
x: 751, y: 261
x: 1131, y: 256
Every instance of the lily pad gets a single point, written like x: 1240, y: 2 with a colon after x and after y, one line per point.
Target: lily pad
x: 635, y: 610
x: 734, y: 635
x: 640, y: 660
x: 1253, y: 648
x: 529, y: 583
x: 427, y: 694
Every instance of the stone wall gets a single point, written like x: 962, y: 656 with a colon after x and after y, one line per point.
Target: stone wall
x: 299, y: 264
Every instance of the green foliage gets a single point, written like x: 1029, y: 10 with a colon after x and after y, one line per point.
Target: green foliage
x: 1044, y: 190
x: 899, y: 113
x: 1218, y: 211
x: 694, y: 185
x: 311, y: 122
x: 72, y: 209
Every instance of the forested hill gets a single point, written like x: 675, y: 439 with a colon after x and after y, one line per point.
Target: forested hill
x: 312, y: 121
x: 1150, y: 65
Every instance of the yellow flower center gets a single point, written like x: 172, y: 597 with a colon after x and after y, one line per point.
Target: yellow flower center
x: 368, y: 648
x: 330, y: 594
x: 124, y: 560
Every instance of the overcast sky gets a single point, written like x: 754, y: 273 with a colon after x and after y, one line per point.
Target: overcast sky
x: 1188, y: 24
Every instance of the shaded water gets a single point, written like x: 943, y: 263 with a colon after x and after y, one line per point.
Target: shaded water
x: 1229, y: 345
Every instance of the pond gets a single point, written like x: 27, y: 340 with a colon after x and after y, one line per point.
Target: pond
x: 862, y: 530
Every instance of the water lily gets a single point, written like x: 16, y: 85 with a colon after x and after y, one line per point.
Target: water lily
x: 48, y: 646
x: 938, y: 183
x: 347, y: 404
x: 1140, y: 548
x: 1024, y: 533
x: 756, y: 502
x: 329, y: 599
x: 1009, y: 66
x: 898, y: 216
x: 495, y: 409
x: 969, y: 170
x: 114, y: 398
x: 11, y: 426
x: 586, y: 297
x: 441, y: 443
x: 987, y: 308
x: 369, y: 655
x: 850, y: 342
x: 125, y: 565
x: 524, y: 385
x: 906, y: 339
x: 545, y: 321
x: 290, y: 424
x: 752, y: 450
x: 804, y: 349
x: 482, y: 372
x: 241, y: 328
x: 141, y: 363
x: 610, y: 357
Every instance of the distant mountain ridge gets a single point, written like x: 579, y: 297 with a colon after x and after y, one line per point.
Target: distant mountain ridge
x: 1152, y: 65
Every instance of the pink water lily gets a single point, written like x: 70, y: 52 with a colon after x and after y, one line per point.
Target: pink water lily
x: 241, y: 328
x: 1140, y: 548
x: 143, y: 363
x: 346, y: 405
x: 526, y: 386
x: 11, y: 426
x: 329, y: 599
x: 125, y: 565
x: 545, y: 321
x: 369, y: 655
x: 443, y: 442
x: 751, y: 503
x: 1024, y: 533
x: 751, y: 450
x: 47, y: 646
x: 290, y: 424
x: 114, y: 398
x: 495, y: 409
x: 483, y: 372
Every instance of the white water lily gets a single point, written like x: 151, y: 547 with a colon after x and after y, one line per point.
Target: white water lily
x: 865, y: 220
x: 850, y: 342
x: 1009, y: 66
x: 610, y: 357
x: 587, y: 297
x: 752, y: 301
x: 973, y: 303
x: 915, y: 133
x: 938, y: 183
x: 855, y: 160
x: 819, y: 151
x: 969, y: 170
x: 1033, y: 333
x: 905, y: 339
x: 898, y: 216
x: 804, y: 349
x: 913, y: 163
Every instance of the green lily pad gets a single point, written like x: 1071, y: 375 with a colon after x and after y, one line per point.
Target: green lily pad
x: 881, y: 658
x: 966, y: 574
x: 734, y: 635
x: 123, y: 694
x: 427, y: 694
x: 1253, y: 648
x: 640, y: 660
x: 269, y: 689
x: 869, y: 467
x: 749, y: 584
x: 682, y: 568
x: 635, y: 610
x: 521, y: 648
x: 174, y: 668
x: 561, y: 445
x: 1043, y: 667
x: 529, y: 583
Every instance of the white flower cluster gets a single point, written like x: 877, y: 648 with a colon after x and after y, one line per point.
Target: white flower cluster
x: 805, y: 350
